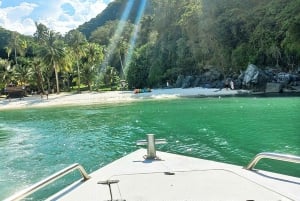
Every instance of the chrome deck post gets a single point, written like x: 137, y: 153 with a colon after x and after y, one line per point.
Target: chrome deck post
x: 109, y: 182
x: 151, y: 151
x: 151, y: 142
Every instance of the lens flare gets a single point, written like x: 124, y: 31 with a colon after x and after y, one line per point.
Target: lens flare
x: 135, y: 33
x: 117, y: 35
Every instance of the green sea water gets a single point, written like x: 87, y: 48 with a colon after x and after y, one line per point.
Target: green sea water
x: 34, y: 143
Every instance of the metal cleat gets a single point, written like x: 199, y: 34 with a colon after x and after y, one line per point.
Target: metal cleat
x: 151, y: 142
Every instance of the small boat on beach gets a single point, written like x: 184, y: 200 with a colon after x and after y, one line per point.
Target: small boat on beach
x: 150, y: 175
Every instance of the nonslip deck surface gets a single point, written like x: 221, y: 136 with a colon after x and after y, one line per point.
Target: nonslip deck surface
x: 179, y: 178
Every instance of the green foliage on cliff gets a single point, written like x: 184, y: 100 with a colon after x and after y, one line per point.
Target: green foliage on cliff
x: 168, y: 38
x: 114, y: 11
x: 187, y: 36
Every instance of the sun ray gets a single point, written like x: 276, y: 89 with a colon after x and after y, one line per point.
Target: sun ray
x: 117, y: 35
x: 135, y: 33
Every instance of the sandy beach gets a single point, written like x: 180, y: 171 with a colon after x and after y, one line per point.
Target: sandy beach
x: 88, y: 98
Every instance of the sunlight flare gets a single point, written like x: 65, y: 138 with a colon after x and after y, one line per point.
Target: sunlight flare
x: 117, y: 35
x: 135, y: 34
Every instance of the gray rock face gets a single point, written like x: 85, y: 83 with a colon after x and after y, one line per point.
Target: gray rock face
x: 187, y: 82
x: 254, y: 76
x: 268, y: 80
x: 284, y: 78
x: 212, y: 75
x: 250, y: 75
x: 273, y: 87
x: 179, y: 81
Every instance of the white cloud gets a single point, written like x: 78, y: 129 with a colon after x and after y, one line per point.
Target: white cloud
x: 17, y: 18
x: 51, y: 13
x: 83, y: 12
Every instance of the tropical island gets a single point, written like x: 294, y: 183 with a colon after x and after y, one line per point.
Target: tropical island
x: 86, y: 96
x: 158, y: 44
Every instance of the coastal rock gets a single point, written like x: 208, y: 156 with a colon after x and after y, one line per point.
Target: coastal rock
x: 284, y: 77
x: 187, y: 82
x: 270, y: 80
x: 254, y: 77
x: 209, y: 79
x: 212, y: 75
x: 238, y: 84
x: 196, y: 82
x: 179, y: 81
x: 273, y: 87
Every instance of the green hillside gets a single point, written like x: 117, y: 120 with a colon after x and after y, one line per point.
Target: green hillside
x: 112, y: 12
x: 159, y: 41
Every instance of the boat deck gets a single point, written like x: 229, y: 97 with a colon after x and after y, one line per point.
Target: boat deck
x: 180, y: 178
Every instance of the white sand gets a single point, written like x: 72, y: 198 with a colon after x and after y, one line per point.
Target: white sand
x: 87, y: 98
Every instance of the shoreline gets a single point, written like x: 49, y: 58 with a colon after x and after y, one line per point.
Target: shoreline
x: 113, y: 97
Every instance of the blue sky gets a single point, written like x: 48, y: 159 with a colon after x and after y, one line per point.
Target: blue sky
x: 58, y: 15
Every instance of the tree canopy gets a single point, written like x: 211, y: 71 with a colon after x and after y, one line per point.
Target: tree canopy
x: 158, y: 43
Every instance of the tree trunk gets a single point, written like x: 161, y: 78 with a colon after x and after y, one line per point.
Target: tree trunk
x: 49, y: 85
x: 56, y: 78
x: 16, y: 60
x: 39, y: 79
x: 78, y: 74
x: 68, y: 82
x: 121, y: 62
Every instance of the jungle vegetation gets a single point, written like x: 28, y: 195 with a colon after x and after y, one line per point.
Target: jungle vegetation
x: 152, y: 44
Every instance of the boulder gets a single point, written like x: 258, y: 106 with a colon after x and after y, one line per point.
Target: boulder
x: 273, y: 87
x: 187, y: 82
x: 212, y: 75
x: 254, y: 76
x: 284, y: 78
x: 196, y: 82
x: 179, y: 81
x: 209, y: 79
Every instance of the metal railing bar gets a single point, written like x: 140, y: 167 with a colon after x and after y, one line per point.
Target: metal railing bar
x: 274, y: 156
x: 30, y: 190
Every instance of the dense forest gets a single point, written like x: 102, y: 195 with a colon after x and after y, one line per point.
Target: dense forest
x: 148, y: 43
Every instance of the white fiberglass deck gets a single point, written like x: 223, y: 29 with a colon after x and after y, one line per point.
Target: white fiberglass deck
x: 180, y: 178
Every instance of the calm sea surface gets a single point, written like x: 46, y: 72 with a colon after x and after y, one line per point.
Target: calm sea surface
x: 34, y: 143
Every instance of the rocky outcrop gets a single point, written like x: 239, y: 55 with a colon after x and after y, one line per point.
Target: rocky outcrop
x: 187, y: 82
x: 179, y: 81
x: 253, y: 78
x: 272, y: 87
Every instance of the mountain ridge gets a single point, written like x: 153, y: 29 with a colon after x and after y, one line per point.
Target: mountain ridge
x: 113, y: 11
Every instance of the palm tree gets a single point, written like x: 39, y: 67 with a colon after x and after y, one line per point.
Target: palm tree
x: 17, y: 45
x: 111, y: 77
x: 23, y: 71
x: 8, y: 51
x: 76, y: 40
x: 93, y: 57
x: 53, y: 53
x: 41, y: 34
x: 37, y: 65
x: 66, y: 64
x: 6, y: 72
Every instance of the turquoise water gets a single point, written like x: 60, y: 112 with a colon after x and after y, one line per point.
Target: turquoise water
x: 35, y: 143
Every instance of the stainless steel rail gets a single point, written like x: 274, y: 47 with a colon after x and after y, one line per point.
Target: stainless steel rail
x: 28, y: 191
x: 274, y: 156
